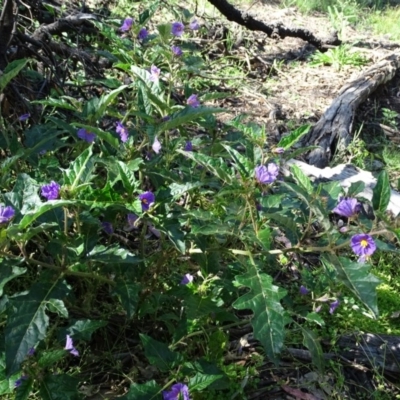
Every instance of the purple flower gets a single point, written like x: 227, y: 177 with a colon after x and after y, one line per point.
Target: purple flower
x: 278, y: 150
x: 70, y: 347
x: 333, y: 306
x: 177, y: 51
x: 266, y: 174
x: 347, y: 207
x: 24, y: 117
x: 303, y: 290
x: 31, y: 352
x: 143, y: 33
x: 18, y: 382
x: 187, y: 278
x: 51, y: 191
x: 194, y: 25
x: 166, y: 118
x: 86, y: 136
x: 363, y: 245
x: 107, y: 227
x: 127, y: 25
x: 177, y: 29
x: 156, y: 145
x: 188, y: 146
x: 193, y: 101
x: 132, y: 218
x: 179, y: 391
x: 154, y: 73
x: 6, y: 213
x: 122, y: 131
x: 147, y: 199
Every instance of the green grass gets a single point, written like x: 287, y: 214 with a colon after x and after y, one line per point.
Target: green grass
x: 386, y: 22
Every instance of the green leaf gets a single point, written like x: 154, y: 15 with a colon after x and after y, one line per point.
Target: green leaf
x: 49, y: 358
x: 32, y: 215
x: 24, y: 196
x: 320, y: 212
x: 356, y: 277
x: 83, y: 329
x: 312, y: 342
x: 188, y: 114
x: 264, y: 237
x: 159, y: 354
x: 113, y: 254
x: 178, y: 190
x: 355, y: 188
x: 302, y: 179
x: 9, y: 271
x: 164, y: 31
x: 57, y: 306
x: 288, y: 224
x: 23, y: 392
x: 11, y: 71
x: 106, y: 100
x: 27, y: 322
x: 197, y: 306
x: 127, y: 177
x: 59, y: 387
x: 381, y: 193
x: 106, y: 136
x: 201, y: 381
x: 145, y: 391
x: 217, y: 166
x: 150, y: 10
x: 315, y: 317
x: 288, y: 141
x: 243, y: 165
x: 264, y: 300
x: 128, y: 294
x: 57, y: 103
x: 175, y: 234
x: 80, y: 171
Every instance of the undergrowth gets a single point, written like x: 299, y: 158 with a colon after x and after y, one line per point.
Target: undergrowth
x: 142, y: 239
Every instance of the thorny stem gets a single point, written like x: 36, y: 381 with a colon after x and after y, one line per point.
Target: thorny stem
x: 32, y: 261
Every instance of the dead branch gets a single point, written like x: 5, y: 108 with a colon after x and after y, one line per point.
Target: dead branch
x: 246, y: 20
x: 334, y: 127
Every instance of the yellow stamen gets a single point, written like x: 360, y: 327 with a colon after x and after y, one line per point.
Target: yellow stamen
x: 364, y: 243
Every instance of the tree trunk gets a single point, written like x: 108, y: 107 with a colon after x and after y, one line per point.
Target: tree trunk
x: 333, y: 129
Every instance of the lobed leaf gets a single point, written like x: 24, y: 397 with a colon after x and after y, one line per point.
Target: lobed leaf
x: 159, y: 354
x: 357, y: 279
x: 264, y: 300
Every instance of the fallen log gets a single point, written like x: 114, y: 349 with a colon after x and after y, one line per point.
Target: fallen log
x: 346, y: 174
x: 362, y: 351
x: 333, y: 130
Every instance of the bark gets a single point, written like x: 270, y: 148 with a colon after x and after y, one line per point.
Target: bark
x: 333, y: 130
x: 278, y: 29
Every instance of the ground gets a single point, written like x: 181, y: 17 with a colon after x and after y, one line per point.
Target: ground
x: 273, y: 82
